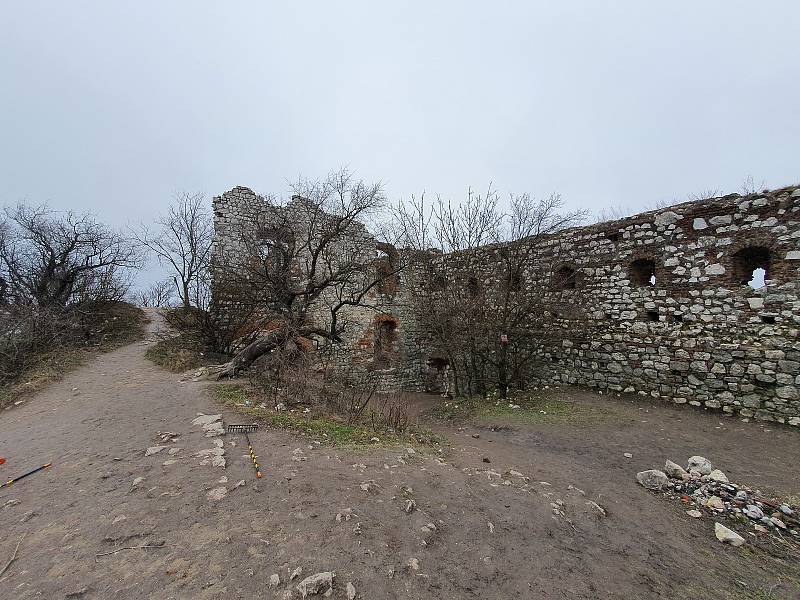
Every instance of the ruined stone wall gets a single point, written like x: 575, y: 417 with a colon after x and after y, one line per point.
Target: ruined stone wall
x: 365, y: 326
x: 699, y: 335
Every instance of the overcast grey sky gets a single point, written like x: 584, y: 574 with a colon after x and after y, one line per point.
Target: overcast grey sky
x: 114, y: 106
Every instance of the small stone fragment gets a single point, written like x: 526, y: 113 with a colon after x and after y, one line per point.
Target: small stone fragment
x: 154, y: 450
x: 716, y: 503
x: 351, y: 591
x: 628, y: 455
x: 413, y: 564
x: 217, y: 494
x: 410, y: 506
x: 314, y: 584
x: 754, y: 512
x: 274, y: 580
x: 369, y: 486
x: 777, y: 522
x: 674, y: 470
x: 296, y: 573
x: 727, y: 536
x: 718, y: 475
x: 696, y: 514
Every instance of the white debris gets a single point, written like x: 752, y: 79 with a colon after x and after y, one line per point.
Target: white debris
x: 154, y: 450
x: 217, y: 494
x: 351, y: 591
x: 274, y: 580
x: 213, y: 456
x: 206, y: 419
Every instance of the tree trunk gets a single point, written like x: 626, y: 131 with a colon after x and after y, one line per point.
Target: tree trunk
x: 186, y: 303
x: 250, y: 353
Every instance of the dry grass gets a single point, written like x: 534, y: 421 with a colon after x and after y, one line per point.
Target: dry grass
x: 319, y: 424
x: 187, y: 346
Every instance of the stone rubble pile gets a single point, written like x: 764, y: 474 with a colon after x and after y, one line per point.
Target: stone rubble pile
x: 703, y: 488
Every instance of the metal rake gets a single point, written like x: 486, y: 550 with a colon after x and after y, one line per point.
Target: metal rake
x: 246, y: 430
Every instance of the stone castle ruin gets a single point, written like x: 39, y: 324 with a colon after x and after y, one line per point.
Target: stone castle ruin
x: 697, y: 303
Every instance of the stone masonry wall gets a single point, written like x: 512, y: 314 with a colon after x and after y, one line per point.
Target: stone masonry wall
x: 699, y: 335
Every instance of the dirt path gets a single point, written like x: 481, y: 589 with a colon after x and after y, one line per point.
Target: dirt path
x: 474, y: 529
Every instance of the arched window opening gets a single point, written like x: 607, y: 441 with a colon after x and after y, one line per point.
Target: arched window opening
x: 751, y: 266
x: 565, y: 278
x: 385, y: 344
x: 472, y: 286
x: 643, y: 272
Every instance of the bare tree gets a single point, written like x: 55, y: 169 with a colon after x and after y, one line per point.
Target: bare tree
x: 182, y: 239
x: 60, y: 274
x: 55, y: 259
x: 295, y: 268
x: 480, y: 281
x: 158, y: 295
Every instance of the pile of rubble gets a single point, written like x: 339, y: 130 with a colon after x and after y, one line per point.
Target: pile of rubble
x: 704, y: 488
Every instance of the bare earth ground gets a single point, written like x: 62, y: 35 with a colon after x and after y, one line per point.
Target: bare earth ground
x: 492, y: 539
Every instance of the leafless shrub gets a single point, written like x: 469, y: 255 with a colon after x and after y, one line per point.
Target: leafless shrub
x: 390, y: 411
x: 348, y: 392
x: 749, y: 186
x: 704, y: 195
x: 157, y: 295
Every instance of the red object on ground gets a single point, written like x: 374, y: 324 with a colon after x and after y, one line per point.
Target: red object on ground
x: 2, y: 460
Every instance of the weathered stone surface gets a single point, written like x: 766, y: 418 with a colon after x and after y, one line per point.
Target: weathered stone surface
x: 727, y: 536
x: 314, y: 584
x: 652, y: 479
x: 700, y: 464
x: 674, y: 470
x: 206, y: 419
x: 718, y: 475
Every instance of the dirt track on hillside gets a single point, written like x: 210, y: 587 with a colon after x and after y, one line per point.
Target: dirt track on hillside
x: 530, y: 534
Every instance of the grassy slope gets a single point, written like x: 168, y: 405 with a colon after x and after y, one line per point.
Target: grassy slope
x: 122, y: 324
